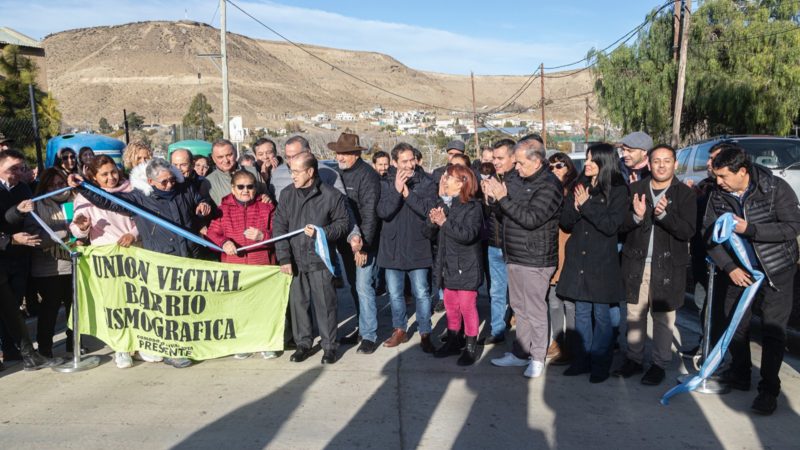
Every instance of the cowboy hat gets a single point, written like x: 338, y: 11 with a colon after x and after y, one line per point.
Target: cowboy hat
x: 346, y: 143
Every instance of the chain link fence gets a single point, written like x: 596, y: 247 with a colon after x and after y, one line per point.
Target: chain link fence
x: 21, y: 131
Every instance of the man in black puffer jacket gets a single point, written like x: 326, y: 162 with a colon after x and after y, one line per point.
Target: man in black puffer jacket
x: 305, y: 203
x: 530, y: 202
x: 768, y: 221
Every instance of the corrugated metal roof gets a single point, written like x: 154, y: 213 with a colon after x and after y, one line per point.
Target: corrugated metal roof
x: 9, y: 36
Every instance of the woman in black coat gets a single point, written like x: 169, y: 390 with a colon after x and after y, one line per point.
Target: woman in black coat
x: 457, y: 219
x: 594, y: 213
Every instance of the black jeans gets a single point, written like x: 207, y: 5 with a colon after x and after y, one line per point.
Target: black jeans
x: 55, y: 291
x: 313, y: 288
x: 12, y: 320
x: 775, y: 304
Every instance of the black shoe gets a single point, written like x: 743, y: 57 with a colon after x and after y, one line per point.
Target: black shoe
x: 2, y: 367
x: 329, y: 357
x: 350, y: 339
x: 467, y: 357
x: 734, y: 382
x: 654, y: 376
x: 573, y: 371
x: 450, y: 346
x: 764, y: 404
x: 628, y: 369
x: 367, y: 347
x: 598, y: 377
x: 439, y: 306
x: 35, y: 361
x: 300, y: 355
x: 492, y: 340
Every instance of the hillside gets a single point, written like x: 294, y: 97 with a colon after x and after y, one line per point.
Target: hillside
x: 152, y: 68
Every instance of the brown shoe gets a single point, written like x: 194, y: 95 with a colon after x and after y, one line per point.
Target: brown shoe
x: 398, y: 337
x: 554, y: 351
x: 425, y: 343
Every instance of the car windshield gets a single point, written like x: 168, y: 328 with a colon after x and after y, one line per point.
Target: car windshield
x: 773, y: 153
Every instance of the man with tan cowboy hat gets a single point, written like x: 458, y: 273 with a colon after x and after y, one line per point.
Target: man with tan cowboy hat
x: 5, y: 143
x: 359, y: 252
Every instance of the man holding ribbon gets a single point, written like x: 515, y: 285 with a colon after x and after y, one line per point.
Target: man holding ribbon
x: 768, y: 222
x: 310, y: 204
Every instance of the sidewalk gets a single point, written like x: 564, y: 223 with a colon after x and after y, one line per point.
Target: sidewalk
x: 394, y: 399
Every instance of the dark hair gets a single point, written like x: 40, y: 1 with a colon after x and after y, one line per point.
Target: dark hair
x: 240, y: 174
x: 487, y: 168
x: 299, y: 139
x: 417, y: 154
x: 59, y: 161
x: 734, y: 158
x: 607, y: 160
x: 467, y: 177
x: 47, y: 177
x: 199, y: 157
x: 380, y: 154
x: 309, y: 161
x: 659, y: 147
x: 402, y: 147
x: 247, y: 157
x: 222, y: 143
x: 97, y: 162
x: 532, y: 136
x: 261, y: 141
x: 722, y: 146
x: 11, y: 154
x: 462, y: 157
x: 82, y: 152
x: 503, y: 143
x: 572, y: 172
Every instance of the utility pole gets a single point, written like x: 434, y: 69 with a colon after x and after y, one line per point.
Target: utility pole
x: 544, y: 125
x: 37, y: 138
x: 475, y: 116
x: 586, y: 126
x: 676, y: 29
x: 224, y: 52
x: 684, y: 50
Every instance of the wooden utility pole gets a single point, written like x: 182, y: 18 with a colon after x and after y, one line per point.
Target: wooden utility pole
x: 684, y: 50
x: 586, y: 125
x: 676, y: 29
x: 226, y: 129
x: 475, y: 116
x: 544, y: 125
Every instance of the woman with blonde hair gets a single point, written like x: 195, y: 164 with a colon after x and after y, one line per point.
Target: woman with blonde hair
x: 136, y: 152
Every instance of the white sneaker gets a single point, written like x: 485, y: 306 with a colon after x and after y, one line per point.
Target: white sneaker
x: 534, y: 369
x: 269, y: 355
x: 509, y: 360
x: 242, y: 355
x: 149, y: 358
x: 123, y: 360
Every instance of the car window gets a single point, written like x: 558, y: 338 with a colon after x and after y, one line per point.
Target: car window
x: 772, y: 153
x: 701, y: 157
x: 683, y: 155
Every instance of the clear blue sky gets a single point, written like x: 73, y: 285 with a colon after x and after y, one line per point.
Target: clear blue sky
x: 509, y: 37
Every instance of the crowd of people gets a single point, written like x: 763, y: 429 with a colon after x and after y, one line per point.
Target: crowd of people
x: 568, y: 258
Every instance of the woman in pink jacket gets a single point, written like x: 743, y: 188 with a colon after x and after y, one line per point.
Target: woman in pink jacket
x: 104, y: 227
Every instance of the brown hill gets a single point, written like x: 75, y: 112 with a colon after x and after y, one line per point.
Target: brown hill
x: 152, y: 68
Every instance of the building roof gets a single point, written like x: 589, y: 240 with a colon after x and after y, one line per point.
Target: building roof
x: 9, y: 36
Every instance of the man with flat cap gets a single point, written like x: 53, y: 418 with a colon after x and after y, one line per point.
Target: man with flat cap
x: 359, y: 251
x: 453, y: 148
x: 635, y: 164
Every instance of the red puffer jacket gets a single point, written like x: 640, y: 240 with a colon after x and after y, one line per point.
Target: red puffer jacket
x: 233, y: 219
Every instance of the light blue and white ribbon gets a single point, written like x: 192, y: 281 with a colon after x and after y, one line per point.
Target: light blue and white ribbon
x: 321, y: 247
x: 724, y: 233
x: 152, y: 218
x: 269, y: 241
x: 51, y: 233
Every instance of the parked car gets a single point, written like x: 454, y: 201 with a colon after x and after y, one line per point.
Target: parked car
x: 579, y: 159
x: 780, y: 155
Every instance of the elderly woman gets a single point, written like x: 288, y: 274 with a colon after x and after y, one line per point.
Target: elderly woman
x: 136, y: 152
x: 66, y: 161
x: 456, y: 221
x: 160, y: 187
x: 244, y: 220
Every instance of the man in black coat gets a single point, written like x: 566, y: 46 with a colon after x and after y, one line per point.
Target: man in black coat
x: 453, y: 148
x: 530, y: 202
x: 359, y: 251
x: 407, y: 196
x: 634, y: 164
x: 306, y: 203
x: 768, y: 222
x: 654, y: 260
x: 13, y: 262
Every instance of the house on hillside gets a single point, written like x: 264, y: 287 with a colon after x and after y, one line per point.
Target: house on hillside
x: 30, y: 48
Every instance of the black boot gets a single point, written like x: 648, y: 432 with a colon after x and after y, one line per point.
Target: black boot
x: 450, y: 347
x: 34, y: 361
x: 467, y: 357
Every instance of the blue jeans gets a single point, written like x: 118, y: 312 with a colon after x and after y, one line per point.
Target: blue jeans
x: 499, y: 290
x: 595, y: 351
x: 366, y: 277
x: 395, y: 281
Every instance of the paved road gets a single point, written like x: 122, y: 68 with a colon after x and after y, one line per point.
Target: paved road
x: 395, y: 399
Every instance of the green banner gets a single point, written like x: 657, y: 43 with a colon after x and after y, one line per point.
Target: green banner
x: 135, y: 299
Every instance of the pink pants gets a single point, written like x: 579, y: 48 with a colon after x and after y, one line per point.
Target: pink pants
x: 460, y: 304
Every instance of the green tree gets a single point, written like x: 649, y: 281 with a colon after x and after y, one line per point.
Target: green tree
x: 135, y: 121
x: 199, y: 117
x: 103, y: 126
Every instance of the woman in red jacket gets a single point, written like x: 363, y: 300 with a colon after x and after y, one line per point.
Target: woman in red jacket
x: 242, y: 220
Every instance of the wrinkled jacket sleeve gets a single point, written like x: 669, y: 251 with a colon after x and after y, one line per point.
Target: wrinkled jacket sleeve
x: 280, y: 226
x: 466, y: 228
x: 787, y: 227
x: 569, y: 215
x: 681, y: 216
x: 367, y: 207
x: 340, y: 222
x: 607, y: 218
x: 390, y: 201
x: 543, y: 206
x: 422, y: 199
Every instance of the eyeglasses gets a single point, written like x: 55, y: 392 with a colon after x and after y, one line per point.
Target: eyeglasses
x: 68, y: 156
x: 242, y: 187
x: 558, y: 165
x: 164, y: 183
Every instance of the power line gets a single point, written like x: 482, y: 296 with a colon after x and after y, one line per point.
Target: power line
x: 570, y: 74
x: 334, y: 67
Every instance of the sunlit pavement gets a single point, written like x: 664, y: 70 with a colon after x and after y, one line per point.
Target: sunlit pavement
x: 395, y: 398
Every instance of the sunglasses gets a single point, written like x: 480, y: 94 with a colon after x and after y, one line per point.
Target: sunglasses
x: 558, y: 165
x: 170, y: 180
x: 68, y: 156
x: 242, y: 187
